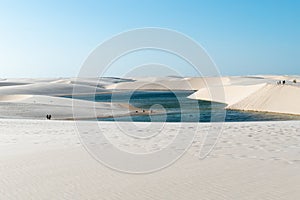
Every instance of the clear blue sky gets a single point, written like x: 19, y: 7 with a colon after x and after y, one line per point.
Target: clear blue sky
x: 53, y: 38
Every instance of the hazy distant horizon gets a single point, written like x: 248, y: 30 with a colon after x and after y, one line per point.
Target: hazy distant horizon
x: 145, y: 76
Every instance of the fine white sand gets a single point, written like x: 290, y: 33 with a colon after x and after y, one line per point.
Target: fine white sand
x: 168, y: 83
x: 271, y: 98
x: 45, y: 160
x: 42, y: 159
x: 257, y: 93
x: 249, y: 93
x: 35, y: 98
x: 37, y: 107
x: 232, y: 93
x: 48, y: 88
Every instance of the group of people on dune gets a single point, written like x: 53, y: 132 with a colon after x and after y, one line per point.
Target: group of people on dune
x: 281, y: 82
x: 284, y: 82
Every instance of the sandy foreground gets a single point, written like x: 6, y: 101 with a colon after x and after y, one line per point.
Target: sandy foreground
x: 42, y: 159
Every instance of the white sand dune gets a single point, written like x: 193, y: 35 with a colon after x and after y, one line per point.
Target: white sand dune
x: 39, y: 97
x: 233, y: 93
x: 45, y: 160
x: 240, y: 91
x: 191, y: 83
x: 13, y: 98
x: 32, y: 80
x: 152, y: 83
x: 202, y: 82
x: 99, y: 82
x: 271, y: 98
x: 64, y: 81
x: 168, y: 83
x: 286, y: 77
x: 42, y: 159
x: 38, y: 106
x: 256, y: 93
x: 59, y: 86
x: 48, y: 89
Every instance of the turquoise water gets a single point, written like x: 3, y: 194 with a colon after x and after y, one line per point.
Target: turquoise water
x: 179, y: 108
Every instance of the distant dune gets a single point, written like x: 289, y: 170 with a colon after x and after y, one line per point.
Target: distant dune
x: 53, y: 89
x: 233, y: 93
x: 33, y: 98
x: 37, y: 107
x: 257, y: 93
x: 271, y: 98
